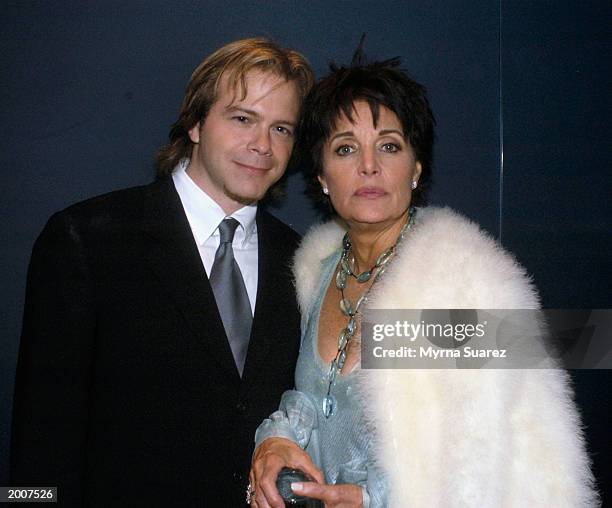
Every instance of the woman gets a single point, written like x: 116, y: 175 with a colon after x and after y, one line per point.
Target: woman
x: 406, y: 437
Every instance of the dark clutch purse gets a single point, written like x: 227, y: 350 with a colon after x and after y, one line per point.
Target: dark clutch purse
x: 283, y: 483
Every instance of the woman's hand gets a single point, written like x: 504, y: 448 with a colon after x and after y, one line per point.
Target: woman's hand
x: 269, y: 458
x: 334, y: 496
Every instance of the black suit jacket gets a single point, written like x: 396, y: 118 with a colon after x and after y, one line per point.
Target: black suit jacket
x: 126, y: 392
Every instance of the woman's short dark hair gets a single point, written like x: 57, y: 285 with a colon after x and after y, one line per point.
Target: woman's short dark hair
x: 379, y: 84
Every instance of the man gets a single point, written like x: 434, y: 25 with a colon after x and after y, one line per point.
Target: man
x: 160, y: 324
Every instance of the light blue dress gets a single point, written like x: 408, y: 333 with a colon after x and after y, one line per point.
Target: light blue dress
x: 339, y: 445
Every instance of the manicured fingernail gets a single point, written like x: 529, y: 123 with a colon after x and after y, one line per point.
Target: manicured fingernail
x: 297, y: 486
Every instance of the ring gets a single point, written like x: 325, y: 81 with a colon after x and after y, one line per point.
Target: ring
x: 249, y: 493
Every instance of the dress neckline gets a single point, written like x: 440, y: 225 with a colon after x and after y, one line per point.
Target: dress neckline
x: 326, y: 278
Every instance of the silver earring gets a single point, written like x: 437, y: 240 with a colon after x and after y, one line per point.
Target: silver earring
x: 414, y: 184
x: 325, y: 191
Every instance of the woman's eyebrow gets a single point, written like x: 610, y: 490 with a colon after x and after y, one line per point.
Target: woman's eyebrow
x: 341, y: 135
x: 384, y: 132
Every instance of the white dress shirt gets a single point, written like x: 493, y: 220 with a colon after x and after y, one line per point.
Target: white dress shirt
x: 205, y: 215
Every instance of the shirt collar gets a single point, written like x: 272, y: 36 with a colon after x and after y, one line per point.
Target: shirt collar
x: 204, y: 213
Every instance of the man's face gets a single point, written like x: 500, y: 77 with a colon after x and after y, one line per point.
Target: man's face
x: 243, y: 146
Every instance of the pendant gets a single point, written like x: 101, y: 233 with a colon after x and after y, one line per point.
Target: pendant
x: 333, y: 372
x: 346, y: 306
x: 345, y: 265
x: 384, y: 257
x: 329, y: 406
x: 350, y: 327
x: 341, y: 279
x: 341, y: 359
x: 344, y: 337
x: 361, y: 301
x: 346, y: 242
x: 329, y: 403
x: 364, y: 276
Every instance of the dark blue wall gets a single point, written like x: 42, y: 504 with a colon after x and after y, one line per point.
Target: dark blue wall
x: 91, y: 88
x: 557, y: 188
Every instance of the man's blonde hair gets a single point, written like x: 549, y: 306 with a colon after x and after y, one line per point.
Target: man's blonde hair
x: 233, y: 61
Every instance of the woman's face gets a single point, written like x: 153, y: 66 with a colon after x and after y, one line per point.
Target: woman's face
x: 369, y: 170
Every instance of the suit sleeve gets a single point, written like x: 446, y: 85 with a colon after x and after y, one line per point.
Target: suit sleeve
x: 50, y: 409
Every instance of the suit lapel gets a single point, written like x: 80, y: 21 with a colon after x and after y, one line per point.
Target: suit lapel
x: 174, y: 258
x: 266, y: 306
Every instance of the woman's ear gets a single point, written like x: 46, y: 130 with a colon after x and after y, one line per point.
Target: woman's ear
x: 323, y: 184
x: 418, y: 168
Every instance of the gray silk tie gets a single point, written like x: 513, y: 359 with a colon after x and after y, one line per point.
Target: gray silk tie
x: 231, y: 294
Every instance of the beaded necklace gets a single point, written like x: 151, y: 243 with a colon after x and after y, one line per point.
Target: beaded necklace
x: 346, y: 270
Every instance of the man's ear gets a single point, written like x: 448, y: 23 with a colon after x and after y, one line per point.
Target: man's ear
x: 194, y: 133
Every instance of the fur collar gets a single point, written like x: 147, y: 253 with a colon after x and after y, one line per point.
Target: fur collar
x: 443, y: 254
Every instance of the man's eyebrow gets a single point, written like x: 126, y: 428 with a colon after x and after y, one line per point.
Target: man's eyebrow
x: 287, y: 122
x: 240, y: 109
x: 234, y: 109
